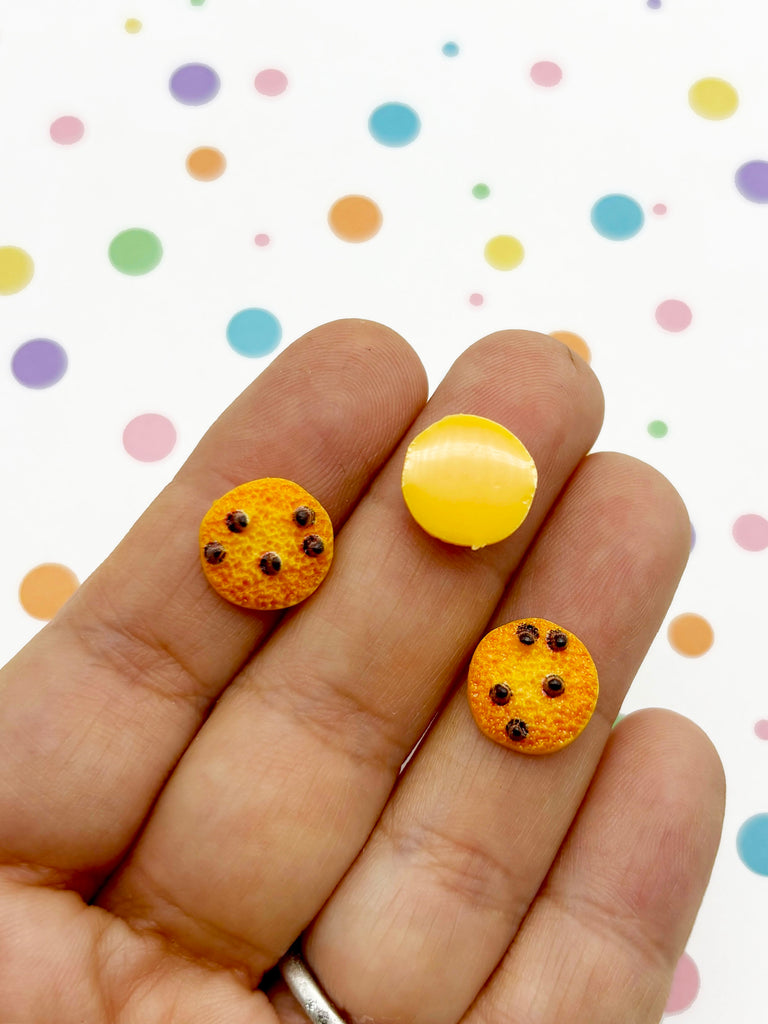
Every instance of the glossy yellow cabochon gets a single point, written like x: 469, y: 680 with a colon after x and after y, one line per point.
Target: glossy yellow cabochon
x: 468, y: 480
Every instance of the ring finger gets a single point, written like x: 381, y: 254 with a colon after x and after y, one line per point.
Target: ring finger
x: 462, y: 848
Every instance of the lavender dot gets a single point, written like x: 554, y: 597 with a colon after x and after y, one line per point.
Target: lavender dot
x: 39, y: 363
x: 194, y: 84
x: 752, y: 181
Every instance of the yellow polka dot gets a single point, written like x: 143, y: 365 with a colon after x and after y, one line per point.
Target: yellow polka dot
x: 504, y: 252
x: 690, y: 634
x: 713, y: 98
x: 16, y: 269
x: 133, y: 25
x: 45, y: 589
x: 575, y: 343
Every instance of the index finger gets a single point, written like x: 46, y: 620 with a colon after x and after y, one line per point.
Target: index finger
x: 96, y: 710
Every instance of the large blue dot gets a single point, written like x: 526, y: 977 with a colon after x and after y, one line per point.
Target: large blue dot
x: 617, y: 217
x: 254, y: 332
x: 752, y: 843
x: 394, y: 124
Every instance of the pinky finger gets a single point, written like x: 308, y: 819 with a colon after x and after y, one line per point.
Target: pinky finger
x: 601, y: 940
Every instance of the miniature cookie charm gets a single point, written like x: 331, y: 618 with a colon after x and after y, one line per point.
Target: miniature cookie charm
x: 468, y: 480
x: 266, y: 544
x: 532, y: 686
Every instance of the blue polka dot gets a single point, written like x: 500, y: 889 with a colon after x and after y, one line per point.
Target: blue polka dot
x: 752, y: 843
x: 254, y: 332
x: 617, y: 217
x: 450, y: 49
x: 394, y: 124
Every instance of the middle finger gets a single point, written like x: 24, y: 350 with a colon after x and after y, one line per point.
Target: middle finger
x: 279, y: 791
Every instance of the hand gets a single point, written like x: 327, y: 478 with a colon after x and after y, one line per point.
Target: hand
x: 188, y: 786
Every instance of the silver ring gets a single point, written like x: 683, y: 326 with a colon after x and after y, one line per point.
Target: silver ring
x: 307, y: 990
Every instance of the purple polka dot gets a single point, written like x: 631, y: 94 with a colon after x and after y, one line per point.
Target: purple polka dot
x: 194, y: 84
x: 149, y: 437
x: 752, y: 181
x: 693, y: 537
x: 751, y: 532
x: 39, y: 363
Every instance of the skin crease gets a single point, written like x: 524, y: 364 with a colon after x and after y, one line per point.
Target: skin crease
x: 188, y: 786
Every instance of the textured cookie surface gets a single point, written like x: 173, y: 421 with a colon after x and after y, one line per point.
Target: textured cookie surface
x: 266, y: 544
x: 532, y: 686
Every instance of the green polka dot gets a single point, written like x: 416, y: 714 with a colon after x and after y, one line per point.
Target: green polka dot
x: 658, y: 428
x: 481, y: 191
x: 135, y: 251
x: 618, y: 719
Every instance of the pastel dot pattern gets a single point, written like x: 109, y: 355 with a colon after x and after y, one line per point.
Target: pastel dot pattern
x: 446, y: 183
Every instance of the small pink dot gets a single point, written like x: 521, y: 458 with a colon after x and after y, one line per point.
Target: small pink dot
x: 660, y: 209
x: 149, y: 437
x: 476, y: 299
x: 546, y: 73
x: 262, y: 239
x: 270, y: 82
x: 685, y: 985
x: 66, y: 130
x: 673, y: 315
x: 761, y: 729
x: 751, y: 532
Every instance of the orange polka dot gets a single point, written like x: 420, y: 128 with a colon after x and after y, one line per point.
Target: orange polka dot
x: 206, y: 163
x: 45, y: 589
x: 574, y: 342
x: 690, y: 634
x: 355, y: 218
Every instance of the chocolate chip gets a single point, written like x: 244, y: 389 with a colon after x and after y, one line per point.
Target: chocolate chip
x: 500, y: 694
x: 270, y: 563
x: 304, y: 515
x: 553, y: 686
x: 214, y: 553
x: 516, y: 729
x: 236, y: 521
x: 557, y: 640
x: 527, y: 633
x: 313, y: 545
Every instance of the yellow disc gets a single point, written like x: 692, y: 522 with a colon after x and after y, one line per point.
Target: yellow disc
x: 532, y: 686
x: 469, y: 481
x: 266, y: 544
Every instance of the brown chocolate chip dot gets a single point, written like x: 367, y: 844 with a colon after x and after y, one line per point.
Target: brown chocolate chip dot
x: 237, y: 521
x: 527, y: 633
x: 313, y: 545
x: 214, y: 553
x: 516, y: 729
x: 270, y: 563
x: 304, y: 515
x: 557, y: 640
x: 554, y: 686
x: 500, y: 694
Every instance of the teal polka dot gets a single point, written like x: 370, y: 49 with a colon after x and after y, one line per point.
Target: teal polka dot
x: 394, y: 124
x: 752, y: 843
x: 450, y: 49
x: 617, y: 217
x: 254, y: 332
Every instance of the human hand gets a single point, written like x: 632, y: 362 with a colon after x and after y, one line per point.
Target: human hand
x: 188, y: 786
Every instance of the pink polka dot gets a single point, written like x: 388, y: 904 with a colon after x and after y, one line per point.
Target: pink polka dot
x: 685, y: 985
x: 673, y: 315
x: 761, y: 729
x: 66, y: 130
x: 660, y: 209
x: 270, y: 82
x: 751, y: 532
x: 546, y: 73
x: 476, y: 299
x: 262, y: 239
x: 149, y: 437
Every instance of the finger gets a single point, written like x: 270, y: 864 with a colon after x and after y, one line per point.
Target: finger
x: 610, y: 923
x: 462, y: 848
x: 280, y: 789
x: 96, y: 710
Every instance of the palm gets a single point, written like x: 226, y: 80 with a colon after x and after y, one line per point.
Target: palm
x: 186, y: 788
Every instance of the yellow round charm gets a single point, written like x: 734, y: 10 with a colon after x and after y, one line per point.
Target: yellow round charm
x: 468, y: 481
x: 532, y: 686
x: 266, y: 544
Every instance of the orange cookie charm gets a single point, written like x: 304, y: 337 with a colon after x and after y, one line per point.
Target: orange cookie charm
x: 266, y: 544
x: 532, y: 686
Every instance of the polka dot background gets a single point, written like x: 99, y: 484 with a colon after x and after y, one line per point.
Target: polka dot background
x: 198, y: 184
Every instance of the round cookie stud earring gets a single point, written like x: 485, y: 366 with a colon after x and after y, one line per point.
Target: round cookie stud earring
x: 532, y: 686
x: 266, y: 544
x: 468, y: 480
